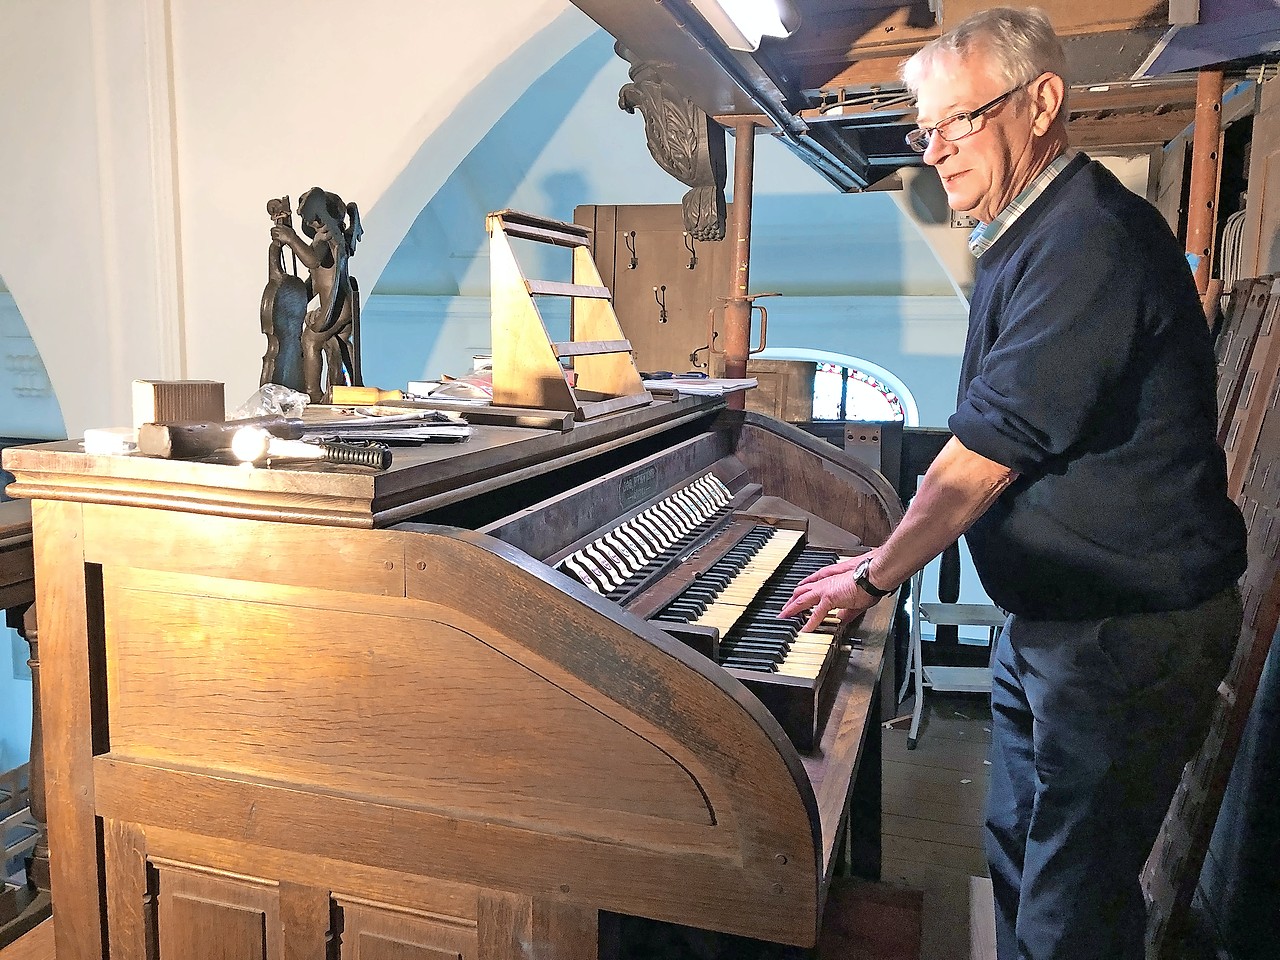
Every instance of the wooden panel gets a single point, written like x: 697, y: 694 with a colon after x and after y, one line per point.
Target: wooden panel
x: 17, y: 556
x: 561, y: 804
x: 213, y: 917
x: 61, y: 471
x: 1234, y: 347
x: 374, y: 932
x: 325, y: 870
x: 68, y: 721
x: 130, y: 910
x: 513, y: 927
x: 1171, y: 193
x: 753, y: 896
x: 1261, y: 239
x: 247, y: 550
x: 662, y: 259
x: 1074, y: 16
x: 505, y: 925
x: 1131, y: 131
x: 305, y: 924
x: 573, y: 932
x: 420, y: 478
x: 785, y: 390
x: 188, y: 672
x: 808, y: 475
x: 833, y: 765
x: 854, y: 31
x: 1257, y: 396
x: 1170, y: 875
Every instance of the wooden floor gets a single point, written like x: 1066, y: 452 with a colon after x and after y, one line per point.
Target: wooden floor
x: 36, y: 944
x: 932, y: 823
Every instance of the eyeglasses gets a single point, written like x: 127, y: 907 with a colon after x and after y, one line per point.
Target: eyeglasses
x: 957, y: 126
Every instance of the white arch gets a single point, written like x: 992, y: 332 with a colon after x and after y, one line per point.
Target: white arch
x: 911, y: 413
x: 135, y: 238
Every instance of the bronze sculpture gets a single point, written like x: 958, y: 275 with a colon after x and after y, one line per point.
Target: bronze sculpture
x: 284, y: 309
x: 313, y: 348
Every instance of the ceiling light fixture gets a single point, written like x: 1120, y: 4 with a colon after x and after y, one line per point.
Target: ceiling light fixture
x: 742, y: 24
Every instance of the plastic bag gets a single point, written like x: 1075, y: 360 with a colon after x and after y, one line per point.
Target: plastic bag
x: 474, y: 386
x: 272, y: 399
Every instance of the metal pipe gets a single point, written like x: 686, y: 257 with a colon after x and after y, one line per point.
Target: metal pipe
x: 1202, y: 203
x: 737, y: 308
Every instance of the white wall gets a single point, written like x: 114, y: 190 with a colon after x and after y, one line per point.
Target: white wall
x: 145, y: 137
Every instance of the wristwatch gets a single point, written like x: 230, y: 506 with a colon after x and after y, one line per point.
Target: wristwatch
x: 861, y: 576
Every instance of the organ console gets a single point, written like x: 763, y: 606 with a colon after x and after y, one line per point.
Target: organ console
x: 474, y: 706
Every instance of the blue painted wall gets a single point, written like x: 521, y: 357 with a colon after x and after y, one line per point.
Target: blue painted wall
x: 15, y: 701
x: 856, y: 276
x: 29, y: 411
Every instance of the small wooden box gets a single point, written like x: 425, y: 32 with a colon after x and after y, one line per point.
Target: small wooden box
x: 173, y: 401
x: 785, y: 390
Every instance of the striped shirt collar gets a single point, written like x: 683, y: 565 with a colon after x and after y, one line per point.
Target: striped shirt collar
x: 986, y: 234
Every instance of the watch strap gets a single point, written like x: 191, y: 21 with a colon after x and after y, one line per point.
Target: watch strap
x: 862, y: 577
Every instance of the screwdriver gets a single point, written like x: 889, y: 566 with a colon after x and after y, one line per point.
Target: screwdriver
x: 255, y: 445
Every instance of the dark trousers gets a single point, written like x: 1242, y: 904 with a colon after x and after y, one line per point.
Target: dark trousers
x: 1092, y: 723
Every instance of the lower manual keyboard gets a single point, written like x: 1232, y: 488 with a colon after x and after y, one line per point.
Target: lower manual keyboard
x: 793, y: 673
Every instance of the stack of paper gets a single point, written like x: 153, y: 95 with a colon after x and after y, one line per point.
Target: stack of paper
x: 713, y: 386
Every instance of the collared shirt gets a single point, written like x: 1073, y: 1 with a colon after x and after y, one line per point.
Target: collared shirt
x: 985, y: 234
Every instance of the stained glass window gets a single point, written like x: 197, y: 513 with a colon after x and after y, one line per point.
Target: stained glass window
x: 846, y: 393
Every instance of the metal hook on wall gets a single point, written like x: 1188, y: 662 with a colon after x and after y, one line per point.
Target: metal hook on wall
x: 630, y: 240
x: 690, y: 245
x: 693, y: 357
x: 660, y: 295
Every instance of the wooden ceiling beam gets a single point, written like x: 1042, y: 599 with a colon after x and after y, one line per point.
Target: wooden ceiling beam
x: 866, y: 72
x: 845, y: 35
x: 851, y: 34
x: 1070, y: 17
x: 1167, y: 95
x: 1129, y: 129
x: 863, y: 46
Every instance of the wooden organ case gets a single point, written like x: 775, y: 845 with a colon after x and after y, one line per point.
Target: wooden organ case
x: 316, y: 712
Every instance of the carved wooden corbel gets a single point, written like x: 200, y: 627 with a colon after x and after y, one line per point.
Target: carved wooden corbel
x: 684, y: 141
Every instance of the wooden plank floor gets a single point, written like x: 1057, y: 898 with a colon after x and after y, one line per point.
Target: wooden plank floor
x: 36, y: 944
x: 932, y: 823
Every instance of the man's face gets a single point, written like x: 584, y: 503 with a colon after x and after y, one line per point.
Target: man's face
x: 983, y: 172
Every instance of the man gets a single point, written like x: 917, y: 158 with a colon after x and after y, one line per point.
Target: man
x: 1085, y: 471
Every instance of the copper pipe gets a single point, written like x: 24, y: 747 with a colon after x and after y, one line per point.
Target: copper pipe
x: 737, y: 308
x: 1202, y: 204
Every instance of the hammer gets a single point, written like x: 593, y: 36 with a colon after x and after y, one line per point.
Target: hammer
x: 197, y: 439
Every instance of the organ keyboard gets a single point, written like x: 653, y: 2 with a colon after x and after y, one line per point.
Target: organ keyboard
x: 443, y: 705
x: 735, y: 601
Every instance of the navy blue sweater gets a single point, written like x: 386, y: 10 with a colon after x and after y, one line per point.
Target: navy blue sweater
x: 1089, y: 369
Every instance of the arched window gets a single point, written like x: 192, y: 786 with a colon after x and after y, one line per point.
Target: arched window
x: 850, y: 388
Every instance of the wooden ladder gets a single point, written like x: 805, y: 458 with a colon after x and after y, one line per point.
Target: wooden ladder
x: 527, y: 371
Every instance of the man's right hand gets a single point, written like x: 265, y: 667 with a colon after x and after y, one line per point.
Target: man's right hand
x: 831, y: 588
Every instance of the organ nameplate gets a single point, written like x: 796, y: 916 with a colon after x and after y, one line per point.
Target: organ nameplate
x: 639, y: 487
